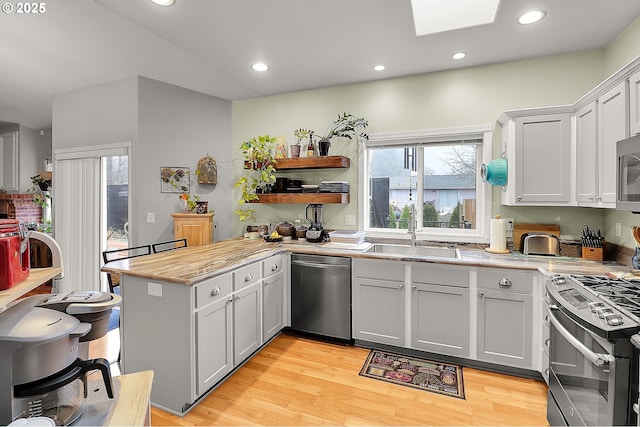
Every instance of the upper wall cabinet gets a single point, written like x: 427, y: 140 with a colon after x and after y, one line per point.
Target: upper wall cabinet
x: 566, y: 155
x: 538, y: 150
x: 634, y: 103
x: 9, y: 161
x: 599, y: 125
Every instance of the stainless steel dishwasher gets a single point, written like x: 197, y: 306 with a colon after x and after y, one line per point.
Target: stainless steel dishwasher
x: 321, y: 295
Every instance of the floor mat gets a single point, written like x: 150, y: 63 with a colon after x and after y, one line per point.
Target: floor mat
x: 414, y: 372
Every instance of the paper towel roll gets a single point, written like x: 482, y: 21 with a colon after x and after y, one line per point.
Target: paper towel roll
x: 498, y: 238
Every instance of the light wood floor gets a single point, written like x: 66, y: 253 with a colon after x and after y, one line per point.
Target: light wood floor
x: 296, y: 381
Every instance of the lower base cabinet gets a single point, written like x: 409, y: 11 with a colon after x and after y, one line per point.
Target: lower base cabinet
x: 378, y: 307
x: 505, y: 317
x: 440, y: 319
x: 193, y: 336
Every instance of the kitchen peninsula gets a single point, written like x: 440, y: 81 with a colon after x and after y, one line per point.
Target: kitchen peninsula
x: 218, y: 304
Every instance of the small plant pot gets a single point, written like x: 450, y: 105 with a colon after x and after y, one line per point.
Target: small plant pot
x: 323, y: 147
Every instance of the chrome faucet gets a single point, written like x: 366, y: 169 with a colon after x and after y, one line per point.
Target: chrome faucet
x: 413, y: 224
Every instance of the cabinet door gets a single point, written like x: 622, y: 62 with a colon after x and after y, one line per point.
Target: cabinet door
x: 505, y: 327
x: 272, y: 305
x: 586, y: 154
x: 379, y: 311
x: 214, y: 343
x: 247, y: 318
x: 634, y: 103
x: 9, y: 161
x: 543, y: 159
x: 196, y: 228
x: 612, y: 127
x: 440, y: 319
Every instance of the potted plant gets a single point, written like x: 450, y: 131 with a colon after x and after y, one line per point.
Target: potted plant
x: 259, y: 172
x: 345, y: 126
x: 40, y: 190
x: 300, y: 134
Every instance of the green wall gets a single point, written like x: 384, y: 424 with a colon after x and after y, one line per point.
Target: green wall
x: 468, y: 96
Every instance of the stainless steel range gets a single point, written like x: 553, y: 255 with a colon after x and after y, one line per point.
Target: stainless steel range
x: 593, y: 367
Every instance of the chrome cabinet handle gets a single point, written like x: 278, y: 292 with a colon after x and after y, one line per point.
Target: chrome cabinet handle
x: 401, y: 286
x: 230, y: 300
x: 519, y: 198
x: 546, y: 342
x: 215, y: 291
x: 266, y: 283
x: 504, y: 283
x: 274, y: 267
x: 248, y: 277
x: 481, y: 294
x: 414, y: 287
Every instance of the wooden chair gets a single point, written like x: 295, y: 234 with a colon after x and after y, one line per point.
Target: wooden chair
x: 118, y: 254
x: 169, y: 246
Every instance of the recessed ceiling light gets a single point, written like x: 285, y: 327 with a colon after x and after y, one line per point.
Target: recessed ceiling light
x: 259, y: 66
x: 459, y: 55
x: 532, y: 17
x: 164, y: 2
x: 379, y: 68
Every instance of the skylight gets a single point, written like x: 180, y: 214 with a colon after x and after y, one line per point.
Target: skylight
x: 436, y: 16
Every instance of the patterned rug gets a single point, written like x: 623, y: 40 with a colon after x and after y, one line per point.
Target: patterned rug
x: 414, y: 372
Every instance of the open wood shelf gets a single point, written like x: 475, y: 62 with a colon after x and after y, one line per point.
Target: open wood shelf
x: 318, y: 162
x: 319, y: 198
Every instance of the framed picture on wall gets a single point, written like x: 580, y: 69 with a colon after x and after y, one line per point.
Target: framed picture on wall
x: 175, y: 179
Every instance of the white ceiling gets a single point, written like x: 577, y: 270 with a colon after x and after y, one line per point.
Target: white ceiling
x: 208, y: 46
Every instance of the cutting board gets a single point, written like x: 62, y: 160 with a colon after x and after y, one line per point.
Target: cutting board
x: 520, y: 228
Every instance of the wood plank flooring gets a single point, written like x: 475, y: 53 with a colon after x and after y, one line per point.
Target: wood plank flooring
x: 297, y: 381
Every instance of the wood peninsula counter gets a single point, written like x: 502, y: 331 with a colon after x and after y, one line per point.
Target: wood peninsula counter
x: 194, y: 264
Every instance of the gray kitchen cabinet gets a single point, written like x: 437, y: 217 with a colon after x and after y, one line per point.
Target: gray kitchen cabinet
x: 538, y: 151
x: 9, y: 161
x: 247, y: 321
x: 194, y: 336
x: 634, y: 103
x: 440, y: 309
x: 505, y: 317
x: 378, y: 307
x: 599, y: 125
x: 272, y: 305
x: 214, y: 343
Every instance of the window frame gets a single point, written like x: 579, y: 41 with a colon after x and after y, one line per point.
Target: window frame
x: 420, y: 138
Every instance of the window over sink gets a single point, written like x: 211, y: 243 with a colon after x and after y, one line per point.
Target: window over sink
x: 436, y: 170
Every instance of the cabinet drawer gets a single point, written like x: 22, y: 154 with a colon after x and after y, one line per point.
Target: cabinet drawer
x: 439, y: 275
x: 272, y: 265
x: 246, y: 275
x: 506, y: 280
x: 379, y: 270
x: 213, y: 289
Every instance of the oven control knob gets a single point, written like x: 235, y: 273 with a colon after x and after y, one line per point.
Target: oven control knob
x: 614, y: 320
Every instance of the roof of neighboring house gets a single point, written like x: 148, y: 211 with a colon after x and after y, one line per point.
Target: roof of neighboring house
x: 435, y: 182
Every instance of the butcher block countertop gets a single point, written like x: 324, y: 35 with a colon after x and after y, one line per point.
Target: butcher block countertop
x: 194, y: 264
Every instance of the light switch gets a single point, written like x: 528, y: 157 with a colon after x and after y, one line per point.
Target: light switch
x: 154, y: 289
x: 151, y: 217
x: 349, y: 220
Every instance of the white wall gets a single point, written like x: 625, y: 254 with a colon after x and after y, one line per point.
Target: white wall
x: 177, y: 127
x: 167, y: 126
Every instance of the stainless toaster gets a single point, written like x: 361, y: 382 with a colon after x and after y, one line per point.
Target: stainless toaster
x: 540, y: 244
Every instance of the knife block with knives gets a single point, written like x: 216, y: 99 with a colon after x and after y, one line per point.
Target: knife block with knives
x: 592, y: 244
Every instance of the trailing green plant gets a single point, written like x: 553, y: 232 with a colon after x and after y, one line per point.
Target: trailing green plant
x: 39, y: 189
x: 259, y: 172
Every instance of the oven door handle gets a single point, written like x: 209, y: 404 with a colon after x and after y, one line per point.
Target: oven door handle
x: 597, y: 359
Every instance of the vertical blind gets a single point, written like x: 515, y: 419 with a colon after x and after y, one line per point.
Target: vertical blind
x: 77, y: 213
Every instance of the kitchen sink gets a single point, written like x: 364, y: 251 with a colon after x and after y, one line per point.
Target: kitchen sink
x: 430, y: 251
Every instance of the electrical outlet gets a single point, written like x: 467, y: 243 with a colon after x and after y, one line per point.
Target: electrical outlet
x: 618, y: 229
x: 151, y: 217
x: 154, y: 289
x: 349, y: 220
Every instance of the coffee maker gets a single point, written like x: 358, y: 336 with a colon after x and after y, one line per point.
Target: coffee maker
x: 316, y: 232
x: 43, y: 339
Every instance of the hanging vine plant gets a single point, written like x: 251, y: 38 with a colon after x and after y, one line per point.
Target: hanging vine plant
x: 259, y: 166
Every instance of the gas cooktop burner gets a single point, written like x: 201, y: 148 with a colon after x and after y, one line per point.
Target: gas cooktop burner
x: 622, y: 293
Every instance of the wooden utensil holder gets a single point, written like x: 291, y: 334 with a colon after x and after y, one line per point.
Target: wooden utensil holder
x: 595, y: 254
